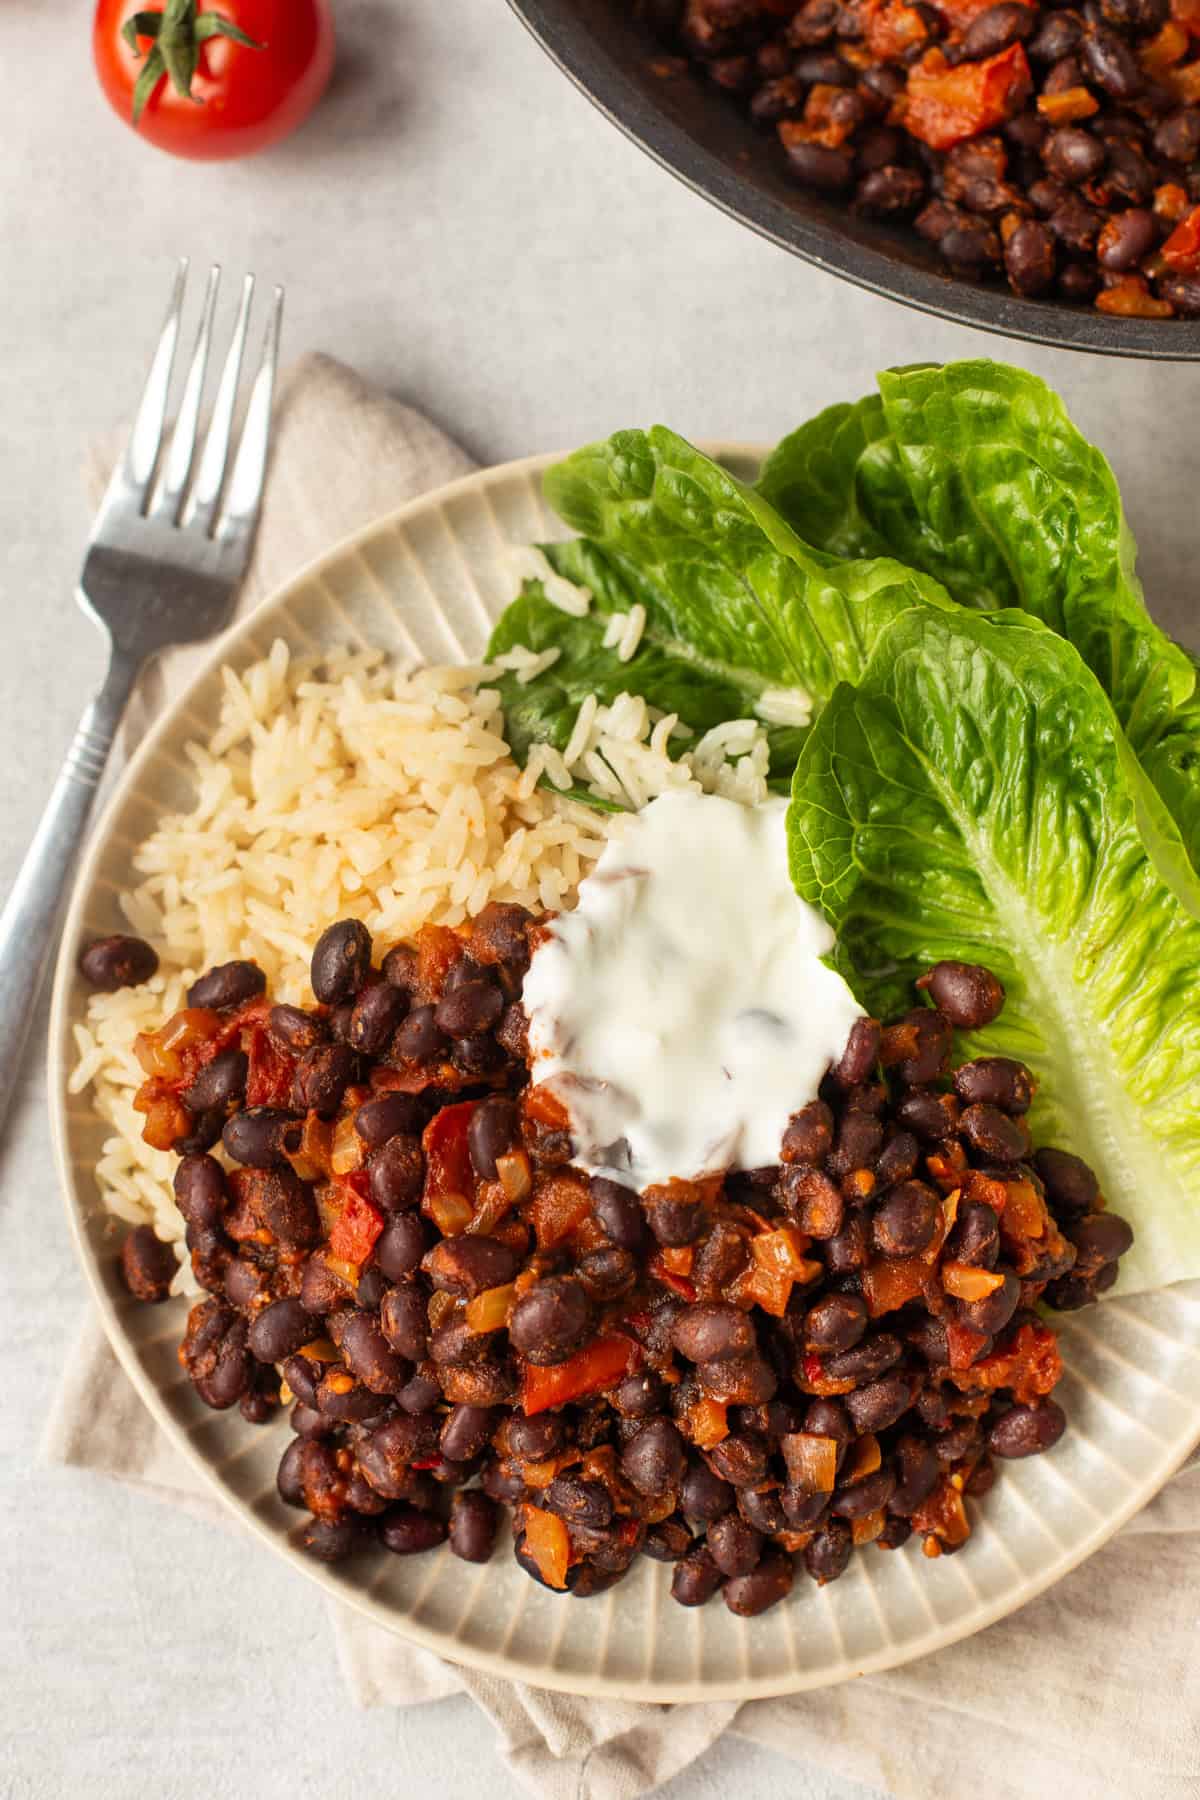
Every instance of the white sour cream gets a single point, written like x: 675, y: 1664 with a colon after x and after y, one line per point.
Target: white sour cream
x: 682, y: 1011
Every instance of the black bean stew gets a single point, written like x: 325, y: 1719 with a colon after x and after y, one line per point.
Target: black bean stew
x: 725, y: 1375
x: 1054, y: 146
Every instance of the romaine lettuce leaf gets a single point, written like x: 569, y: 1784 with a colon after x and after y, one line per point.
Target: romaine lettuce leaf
x: 974, y: 797
x: 974, y: 473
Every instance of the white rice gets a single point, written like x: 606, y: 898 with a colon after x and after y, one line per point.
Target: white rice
x: 338, y: 787
x: 631, y: 637
x: 528, y: 563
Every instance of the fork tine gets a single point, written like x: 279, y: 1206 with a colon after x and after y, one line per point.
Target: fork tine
x: 244, y: 493
x: 183, y: 438
x: 201, y: 507
x: 136, y: 467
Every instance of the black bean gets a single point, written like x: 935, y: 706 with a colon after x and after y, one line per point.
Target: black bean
x: 579, y: 1501
x: 296, y: 1029
x: 975, y: 1237
x: 932, y: 1117
x: 995, y: 1081
x: 782, y: 98
x: 111, y: 963
x: 308, y: 1423
x: 260, y: 1136
x: 675, y: 1220
x: 880, y: 1403
x: 738, y: 1380
x: 288, y: 1480
x: 890, y: 191
x: 667, y: 1541
x: 321, y: 1078
x: 867, y: 1496
x: 219, y: 1084
x: 468, y: 1010
x: 229, y: 984
x: 836, y: 1322
x: 552, y: 1320
x: 640, y: 1396
x: 354, y: 1403
x: 244, y: 1283
x: 459, y: 1347
x: 898, y: 1159
x: 847, y: 1250
x: 404, y: 1321
x: 858, y: 1060
x: 257, y: 1405
x: 1070, y: 1183
x: 1099, y: 1238
x: 321, y: 1291
x: 618, y: 1212
x: 280, y: 1330
x: 467, y: 1431
x: 214, y: 1353
x: 608, y: 1273
x: 994, y: 1134
x: 808, y: 1134
x: 401, y: 1245
x: 740, y: 1458
x: 734, y: 1545
x: 713, y: 1330
x: 396, y: 1173
x: 423, y: 1391
x: 918, y: 1473
x: 918, y: 1044
x: 906, y: 1219
x: 491, y: 1133
x: 369, y: 1356
x: 1183, y: 291
x: 1029, y: 258
x: 1177, y: 137
x: 205, y: 1130
x: 1027, y: 1430
x: 538, y: 1438
x: 1073, y: 154
x: 1135, y: 15
x: 859, y: 1141
x: 474, y: 1520
x: 377, y: 1012
x: 994, y: 30
x: 200, y: 1193
x: 388, y: 1116
x: 341, y: 961
x: 466, y: 1266
x: 148, y: 1265
x: 407, y: 1531
x: 287, y: 1208
x: 991, y: 1314
x: 829, y: 1553
x: 654, y: 1460
x: 1059, y: 34
x: 1075, y: 224
x: 1111, y: 63
x: 866, y: 1360
x: 696, y: 1578
x: 817, y: 166
x: 703, y: 1495
x: 1126, y: 239
x: 418, y: 1039
x: 961, y: 1441
x: 768, y: 1584
x: 333, y: 1540
x: 303, y: 1376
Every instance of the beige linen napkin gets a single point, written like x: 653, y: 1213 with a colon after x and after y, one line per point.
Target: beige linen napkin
x: 1090, y: 1690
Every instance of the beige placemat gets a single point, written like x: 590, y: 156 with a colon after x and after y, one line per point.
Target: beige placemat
x: 1090, y: 1691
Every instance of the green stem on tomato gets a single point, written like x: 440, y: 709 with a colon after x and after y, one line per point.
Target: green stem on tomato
x: 177, y: 33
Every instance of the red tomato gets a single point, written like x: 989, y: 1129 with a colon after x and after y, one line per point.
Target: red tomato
x: 241, y: 99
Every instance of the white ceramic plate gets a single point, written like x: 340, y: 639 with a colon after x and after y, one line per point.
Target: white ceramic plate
x: 425, y: 584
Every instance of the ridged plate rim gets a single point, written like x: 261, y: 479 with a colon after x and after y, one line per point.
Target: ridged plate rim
x: 131, y: 1328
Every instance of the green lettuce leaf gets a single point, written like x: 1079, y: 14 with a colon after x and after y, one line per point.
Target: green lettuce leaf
x: 974, y: 473
x: 739, y: 611
x: 974, y: 797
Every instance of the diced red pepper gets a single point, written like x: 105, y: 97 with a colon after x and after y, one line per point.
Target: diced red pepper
x: 358, y: 1224
x: 547, y: 1542
x: 1187, y: 13
x: 1182, y: 249
x: 269, y: 1078
x: 963, y: 1344
x: 948, y: 105
x: 600, y: 1365
x: 1030, y: 1365
x: 562, y: 1200
x: 448, y: 1167
x: 893, y: 28
x: 438, y: 949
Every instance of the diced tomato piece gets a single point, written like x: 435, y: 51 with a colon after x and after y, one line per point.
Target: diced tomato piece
x: 943, y: 1514
x: 562, y: 1200
x: 1165, y: 48
x: 358, y: 1225
x: 893, y: 29
x: 1182, y: 249
x: 891, y: 1282
x: 438, y: 949
x: 547, y: 1542
x: 682, y: 1285
x: 599, y: 1365
x: 964, y: 1345
x: 1187, y: 12
x: 706, y: 1422
x: 947, y: 106
x: 1030, y: 1365
x: 1130, y: 298
x: 448, y: 1167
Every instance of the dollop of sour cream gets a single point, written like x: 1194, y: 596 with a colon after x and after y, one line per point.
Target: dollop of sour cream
x: 682, y: 1012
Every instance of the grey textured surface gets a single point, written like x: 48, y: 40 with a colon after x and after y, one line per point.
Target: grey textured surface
x: 458, y: 223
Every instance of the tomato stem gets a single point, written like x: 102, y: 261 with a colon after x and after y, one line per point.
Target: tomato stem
x: 177, y: 33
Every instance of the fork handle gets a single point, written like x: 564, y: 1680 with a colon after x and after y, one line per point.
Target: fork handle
x: 29, y: 922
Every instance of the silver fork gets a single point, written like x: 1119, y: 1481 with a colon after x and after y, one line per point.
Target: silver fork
x: 167, y: 552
